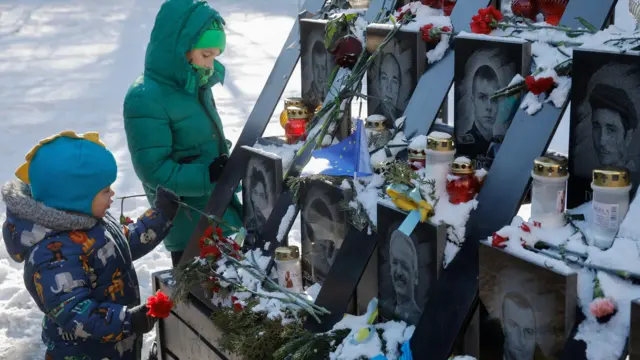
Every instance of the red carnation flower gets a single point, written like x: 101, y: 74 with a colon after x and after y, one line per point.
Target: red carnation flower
x: 525, y: 227
x: 210, y: 250
x: 486, y: 20
x: 347, y: 51
x: 539, y: 86
x: 159, y: 305
x: 237, y: 306
x: 432, y: 35
x: 499, y: 241
x: 219, y: 232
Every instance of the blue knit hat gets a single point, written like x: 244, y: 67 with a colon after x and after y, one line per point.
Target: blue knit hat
x: 67, y: 171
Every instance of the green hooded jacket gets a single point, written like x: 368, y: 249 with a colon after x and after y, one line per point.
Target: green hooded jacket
x: 173, y: 128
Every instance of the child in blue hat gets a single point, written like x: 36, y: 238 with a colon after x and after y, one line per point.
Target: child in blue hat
x: 78, y: 258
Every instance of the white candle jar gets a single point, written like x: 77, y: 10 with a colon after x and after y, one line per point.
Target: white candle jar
x: 611, y: 186
x: 289, y: 268
x: 440, y: 153
x: 548, y: 191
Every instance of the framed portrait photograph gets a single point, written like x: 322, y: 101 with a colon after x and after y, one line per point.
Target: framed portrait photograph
x: 407, y: 265
x: 605, y: 109
x: 316, y: 64
x: 481, y: 68
x: 324, y: 226
x: 261, y: 186
x: 527, y: 311
x: 394, y: 74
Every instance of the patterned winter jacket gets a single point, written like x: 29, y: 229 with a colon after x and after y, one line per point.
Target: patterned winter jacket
x: 79, y: 270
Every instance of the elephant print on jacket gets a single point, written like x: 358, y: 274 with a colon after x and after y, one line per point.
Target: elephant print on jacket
x: 107, y: 251
x: 65, y: 282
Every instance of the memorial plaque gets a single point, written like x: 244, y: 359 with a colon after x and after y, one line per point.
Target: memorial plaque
x: 407, y: 265
x: 395, y: 72
x: 481, y: 68
x: 316, y: 64
x: 324, y: 226
x: 261, y: 185
x: 530, y: 309
x: 605, y: 110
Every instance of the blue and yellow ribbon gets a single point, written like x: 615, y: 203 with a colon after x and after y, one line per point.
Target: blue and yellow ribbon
x: 410, y: 200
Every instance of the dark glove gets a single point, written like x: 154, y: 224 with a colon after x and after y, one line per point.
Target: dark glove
x: 140, y: 322
x: 167, y: 202
x: 216, y: 167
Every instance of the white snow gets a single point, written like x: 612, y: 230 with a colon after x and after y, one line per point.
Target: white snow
x: 67, y: 64
x: 286, y: 220
x: 286, y: 152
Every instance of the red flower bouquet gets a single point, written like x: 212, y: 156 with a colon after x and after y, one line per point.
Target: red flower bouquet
x: 486, y: 21
x: 159, y: 305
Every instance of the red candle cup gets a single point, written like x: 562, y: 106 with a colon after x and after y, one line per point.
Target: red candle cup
x: 462, y: 184
x: 448, y: 6
x: 296, y: 124
x: 552, y: 10
x: 525, y: 8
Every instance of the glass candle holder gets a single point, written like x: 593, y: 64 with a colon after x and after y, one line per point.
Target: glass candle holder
x: 548, y: 191
x: 378, y: 135
x: 289, y: 102
x: 611, y: 186
x: 417, y: 157
x: 287, y: 259
x: 439, y: 156
x: 462, y: 183
x: 634, y: 9
x: 448, y: 6
x: 525, y: 8
x: 296, y: 124
x: 552, y: 10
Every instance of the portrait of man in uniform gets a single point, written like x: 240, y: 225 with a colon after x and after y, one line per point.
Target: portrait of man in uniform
x: 481, y: 69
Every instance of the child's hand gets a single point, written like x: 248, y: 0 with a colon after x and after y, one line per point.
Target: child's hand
x: 141, y: 323
x: 167, y: 202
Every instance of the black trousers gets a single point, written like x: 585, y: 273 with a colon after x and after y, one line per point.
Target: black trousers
x: 175, y: 257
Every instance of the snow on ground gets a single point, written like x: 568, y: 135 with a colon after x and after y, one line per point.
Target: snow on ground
x: 67, y: 64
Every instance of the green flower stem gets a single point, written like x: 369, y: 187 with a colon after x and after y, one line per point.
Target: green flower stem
x: 505, y: 25
x: 580, y: 262
x: 262, y: 277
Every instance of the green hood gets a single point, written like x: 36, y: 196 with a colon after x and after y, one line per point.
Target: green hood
x: 179, y: 24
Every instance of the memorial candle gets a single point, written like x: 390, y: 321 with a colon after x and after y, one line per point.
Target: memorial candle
x: 296, y: 124
x: 287, y: 259
x: 548, y: 191
x: 462, y: 184
x: 611, y: 186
